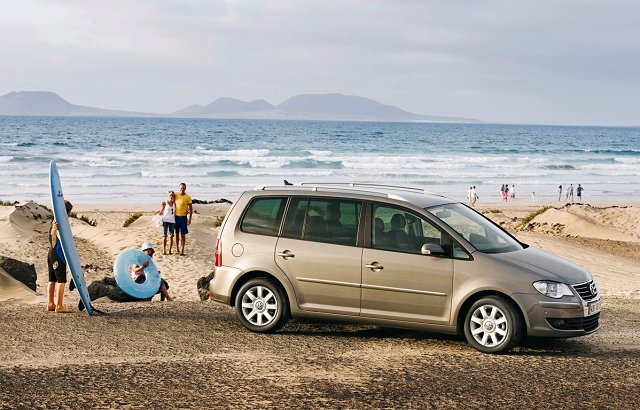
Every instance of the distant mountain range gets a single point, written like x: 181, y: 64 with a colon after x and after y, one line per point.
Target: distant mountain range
x: 336, y: 107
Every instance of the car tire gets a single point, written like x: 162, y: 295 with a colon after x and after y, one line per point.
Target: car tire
x: 492, y: 325
x: 262, y: 306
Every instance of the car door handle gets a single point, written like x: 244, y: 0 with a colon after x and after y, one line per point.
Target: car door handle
x: 286, y: 254
x: 374, y: 266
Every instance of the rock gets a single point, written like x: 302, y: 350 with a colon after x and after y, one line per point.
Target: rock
x: 217, y: 201
x: 21, y: 271
x: 108, y: 287
x: 203, y: 286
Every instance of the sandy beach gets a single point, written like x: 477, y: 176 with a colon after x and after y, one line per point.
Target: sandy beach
x: 190, y: 353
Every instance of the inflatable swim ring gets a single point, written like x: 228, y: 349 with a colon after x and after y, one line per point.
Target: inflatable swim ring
x: 121, y: 267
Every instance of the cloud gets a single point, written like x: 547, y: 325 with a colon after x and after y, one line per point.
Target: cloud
x: 497, y: 60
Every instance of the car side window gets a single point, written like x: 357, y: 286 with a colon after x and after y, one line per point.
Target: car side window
x: 263, y: 216
x: 459, y: 252
x: 296, y: 215
x: 323, y: 220
x: 397, y: 229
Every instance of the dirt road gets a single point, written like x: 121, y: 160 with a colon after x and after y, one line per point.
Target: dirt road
x: 197, y: 355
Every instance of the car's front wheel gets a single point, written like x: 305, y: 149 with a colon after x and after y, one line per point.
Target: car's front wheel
x: 262, y: 306
x: 492, y: 325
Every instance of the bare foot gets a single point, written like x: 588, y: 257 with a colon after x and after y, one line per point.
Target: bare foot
x: 63, y: 309
x: 51, y: 308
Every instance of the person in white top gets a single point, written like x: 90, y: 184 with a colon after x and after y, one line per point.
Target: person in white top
x: 168, y: 213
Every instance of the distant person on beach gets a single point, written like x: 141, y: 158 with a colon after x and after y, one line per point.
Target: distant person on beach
x: 502, y: 192
x: 57, y: 266
x: 513, y: 192
x: 533, y: 196
x: 184, y: 213
x: 168, y: 213
x: 559, y: 193
x: 469, y: 194
x: 570, y: 193
x: 505, y: 194
x: 474, y: 196
x: 579, y: 190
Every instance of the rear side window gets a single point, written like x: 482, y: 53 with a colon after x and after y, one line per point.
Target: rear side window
x: 263, y: 216
x: 323, y: 220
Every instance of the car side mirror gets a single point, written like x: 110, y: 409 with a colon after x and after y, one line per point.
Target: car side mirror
x: 431, y: 249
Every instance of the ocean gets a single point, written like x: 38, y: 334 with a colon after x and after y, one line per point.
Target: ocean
x: 136, y: 160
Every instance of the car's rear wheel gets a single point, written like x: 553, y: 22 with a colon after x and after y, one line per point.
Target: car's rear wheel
x: 261, y: 305
x: 492, y: 325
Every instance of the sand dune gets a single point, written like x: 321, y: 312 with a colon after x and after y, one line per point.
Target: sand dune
x: 13, y: 291
x: 612, y: 223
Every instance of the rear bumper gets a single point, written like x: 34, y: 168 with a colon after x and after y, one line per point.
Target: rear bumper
x: 221, y: 286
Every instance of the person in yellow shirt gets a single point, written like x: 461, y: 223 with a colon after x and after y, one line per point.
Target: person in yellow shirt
x: 184, y: 212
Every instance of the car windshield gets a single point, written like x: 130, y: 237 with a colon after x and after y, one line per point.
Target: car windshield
x: 475, y: 228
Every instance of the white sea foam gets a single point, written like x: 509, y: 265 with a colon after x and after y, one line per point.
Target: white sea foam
x: 112, y: 162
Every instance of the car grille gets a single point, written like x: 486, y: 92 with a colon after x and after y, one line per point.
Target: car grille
x: 584, y: 290
x: 588, y: 324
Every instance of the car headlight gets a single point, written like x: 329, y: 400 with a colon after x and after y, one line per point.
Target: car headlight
x: 554, y: 290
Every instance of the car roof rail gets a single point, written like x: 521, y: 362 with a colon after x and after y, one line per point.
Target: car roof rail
x: 371, y: 185
x: 349, y: 187
x: 313, y: 188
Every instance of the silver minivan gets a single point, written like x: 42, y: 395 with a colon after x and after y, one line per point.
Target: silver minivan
x: 394, y: 257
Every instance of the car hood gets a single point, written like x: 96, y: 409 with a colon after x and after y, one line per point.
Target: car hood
x: 546, y: 265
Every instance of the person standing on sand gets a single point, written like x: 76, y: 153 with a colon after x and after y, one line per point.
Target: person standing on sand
x: 559, y: 193
x: 474, y: 196
x: 570, y: 193
x: 168, y: 213
x: 57, y: 269
x: 513, y: 192
x: 579, y: 190
x: 184, y: 213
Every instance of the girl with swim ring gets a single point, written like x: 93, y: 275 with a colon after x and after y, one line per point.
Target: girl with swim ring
x: 139, y: 276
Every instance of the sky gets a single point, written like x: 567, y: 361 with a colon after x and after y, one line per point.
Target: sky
x: 571, y: 62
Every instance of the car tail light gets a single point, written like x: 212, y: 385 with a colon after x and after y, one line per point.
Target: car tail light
x: 218, y: 252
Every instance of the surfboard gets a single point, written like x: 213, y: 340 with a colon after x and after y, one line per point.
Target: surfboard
x: 121, y: 272
x: 66, y: 237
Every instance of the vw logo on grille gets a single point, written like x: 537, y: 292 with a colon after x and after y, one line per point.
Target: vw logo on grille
x: 592, y: 288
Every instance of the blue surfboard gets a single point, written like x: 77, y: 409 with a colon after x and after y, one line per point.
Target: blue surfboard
x: 66, y: 237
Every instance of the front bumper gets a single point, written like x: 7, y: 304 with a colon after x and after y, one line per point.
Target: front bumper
x: 575, y: 317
